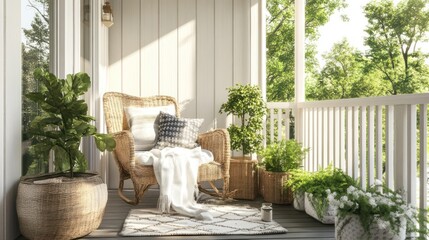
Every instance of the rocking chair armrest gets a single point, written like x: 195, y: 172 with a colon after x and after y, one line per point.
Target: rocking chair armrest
x: 217, y: 141
x: 124, y: 151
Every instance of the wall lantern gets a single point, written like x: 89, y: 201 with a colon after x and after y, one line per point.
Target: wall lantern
x: 107, y: 15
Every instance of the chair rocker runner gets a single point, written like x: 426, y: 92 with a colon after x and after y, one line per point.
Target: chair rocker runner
x: 143, y: 176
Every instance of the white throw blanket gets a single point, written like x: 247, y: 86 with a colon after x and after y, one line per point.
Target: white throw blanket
x: 176, y: 170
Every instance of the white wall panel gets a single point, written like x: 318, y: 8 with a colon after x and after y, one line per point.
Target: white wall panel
x: 115, y: 50
x: 186, y: 60
x: 241, y: 46
x: 130, y: 47
x: 168, y: 47
x: 205, y: 63
x: 223, y: 55
x: 149, y: 48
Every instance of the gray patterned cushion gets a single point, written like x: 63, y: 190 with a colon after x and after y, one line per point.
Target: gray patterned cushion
x: 177, y: 132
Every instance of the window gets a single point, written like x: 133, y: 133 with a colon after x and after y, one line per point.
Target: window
x: 35, y: 54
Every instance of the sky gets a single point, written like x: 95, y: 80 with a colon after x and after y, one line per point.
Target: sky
x: 336, y: 29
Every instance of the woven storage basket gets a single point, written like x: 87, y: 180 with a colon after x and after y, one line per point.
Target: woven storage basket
x: 299, y: 201
x: 328, y: 215
x: 243, y: 177
x: 350, y: 228
x: 60, y: 207
x: 274, y: 187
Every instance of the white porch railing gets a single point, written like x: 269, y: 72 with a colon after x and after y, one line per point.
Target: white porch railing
x: 369, y: 138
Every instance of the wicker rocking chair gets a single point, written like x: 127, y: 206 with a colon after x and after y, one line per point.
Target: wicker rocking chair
x: 143, y: 176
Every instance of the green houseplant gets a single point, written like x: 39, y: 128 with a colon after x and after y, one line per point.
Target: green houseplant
x: 246, y: 104
x: 375, y: 213
x: 71, y: 201
x: 278, y: 159
x: 315, y: 186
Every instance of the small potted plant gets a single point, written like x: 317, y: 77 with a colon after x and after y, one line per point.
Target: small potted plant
x: 316, y: 197
x: 298, y: 182
x: 375, y: 213
x: 278, y: 159
x: 69, y: 203
x: 246, y: 104
x: 315, y: 185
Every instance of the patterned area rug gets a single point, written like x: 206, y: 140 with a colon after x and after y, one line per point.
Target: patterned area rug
x: 227, y: 220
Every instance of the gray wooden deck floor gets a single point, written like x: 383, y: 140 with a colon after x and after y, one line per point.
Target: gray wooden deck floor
x: 298, y: 224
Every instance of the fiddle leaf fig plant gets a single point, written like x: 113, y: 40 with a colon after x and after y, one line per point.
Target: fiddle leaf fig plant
x: 64, y: 121
x: 247, y: 104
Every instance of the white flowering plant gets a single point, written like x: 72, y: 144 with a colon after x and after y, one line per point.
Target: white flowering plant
x: 381, y: 206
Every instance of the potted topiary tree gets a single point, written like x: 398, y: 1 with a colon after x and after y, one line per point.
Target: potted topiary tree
x: 70, y: 203
x: 246, y: 104
x: 278, y: 159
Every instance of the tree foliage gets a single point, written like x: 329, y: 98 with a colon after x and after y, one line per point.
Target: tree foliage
x: 344, y: 75
x: 35, y: 54
x: 393, y: 64
x: 280, y: 42
x: 394, y: 34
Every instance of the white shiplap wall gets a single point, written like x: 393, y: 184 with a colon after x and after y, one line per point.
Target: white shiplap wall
x: 189, y: 49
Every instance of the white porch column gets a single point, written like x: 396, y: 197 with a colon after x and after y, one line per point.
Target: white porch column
x: 299, y: 66
x: 262, y: 48
x: 65, y: 37
x: 263, y: 58
x: 10, y: 115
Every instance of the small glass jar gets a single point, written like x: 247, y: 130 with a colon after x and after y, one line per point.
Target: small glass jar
x: 266, y: 212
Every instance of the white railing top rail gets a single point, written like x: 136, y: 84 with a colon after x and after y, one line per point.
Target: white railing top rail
x: 420, y: 98
x: 280, y: 105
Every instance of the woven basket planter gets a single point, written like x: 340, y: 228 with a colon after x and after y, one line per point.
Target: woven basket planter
x: 350, y: 228
x: 274, y: 191
x: 299, y: 201
x: 243, y: 178
x: 58, y: 207
x: 327, y: 216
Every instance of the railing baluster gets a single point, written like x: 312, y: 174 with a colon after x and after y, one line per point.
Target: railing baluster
x: 325, y: 137
x: 272, y: 125
x: 423, y: 155
x: 314, y: 138
x: 355, y: 160
x: 400, y: 146
x: 287, y: 123
x: 363, y: 147
x: 379, y: 143
x: 330, y: 130
x: 371, y: 145
x: 342, y: 138
x: 412, y: 154
x: 389, y: 146
x: 319, y: 138
x: 336, y: 141
x: 279, y: 124
x: 349, y: 146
